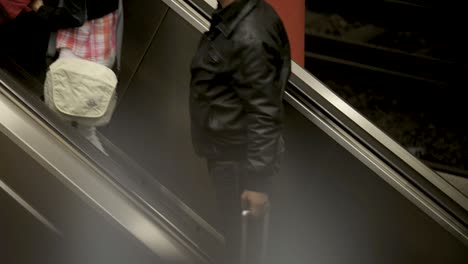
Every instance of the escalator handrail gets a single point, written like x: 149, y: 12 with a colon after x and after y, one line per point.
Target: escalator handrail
x: 141, y: 186
x: 89, y: 182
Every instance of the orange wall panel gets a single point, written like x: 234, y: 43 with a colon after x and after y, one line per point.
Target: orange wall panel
x: 292, y: 12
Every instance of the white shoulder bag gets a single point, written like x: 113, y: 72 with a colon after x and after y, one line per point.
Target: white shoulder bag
x: 80, y: 88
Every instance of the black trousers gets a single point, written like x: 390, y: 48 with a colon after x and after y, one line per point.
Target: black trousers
x: 227, y: 176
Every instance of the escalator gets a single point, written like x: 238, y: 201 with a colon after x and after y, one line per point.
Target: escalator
x: 57, y: 207
x: 347, y: 193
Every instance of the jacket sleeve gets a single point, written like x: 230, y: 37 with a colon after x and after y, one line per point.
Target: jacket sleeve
x: 259, y: 89
x: 72, y: 14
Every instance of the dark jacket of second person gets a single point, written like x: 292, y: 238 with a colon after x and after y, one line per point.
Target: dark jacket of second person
x: 239, y: 74
x: 74, y: 13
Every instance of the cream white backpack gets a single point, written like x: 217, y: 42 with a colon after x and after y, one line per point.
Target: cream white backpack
x: 80, y: 90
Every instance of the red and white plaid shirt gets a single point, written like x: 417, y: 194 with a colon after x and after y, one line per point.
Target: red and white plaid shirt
x: 94, y: 41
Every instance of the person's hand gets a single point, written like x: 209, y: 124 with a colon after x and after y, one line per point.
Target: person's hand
x: 36, y: 4
x: 256, y: 202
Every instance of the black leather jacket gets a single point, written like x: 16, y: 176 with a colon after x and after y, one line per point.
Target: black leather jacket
x: 239, y: 74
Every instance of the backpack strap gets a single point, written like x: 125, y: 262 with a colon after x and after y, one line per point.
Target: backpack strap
x: 52, y: 47
x: 119, y: 36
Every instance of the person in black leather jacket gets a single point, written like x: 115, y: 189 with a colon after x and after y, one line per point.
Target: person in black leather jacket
x: 239, y: 74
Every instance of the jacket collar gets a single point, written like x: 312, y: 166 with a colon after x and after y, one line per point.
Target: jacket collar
x: 226, y: 19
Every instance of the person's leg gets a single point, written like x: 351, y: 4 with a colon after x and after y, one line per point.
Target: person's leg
x: 225, y: 175
x: 90, y: 134
x: 254, y: 241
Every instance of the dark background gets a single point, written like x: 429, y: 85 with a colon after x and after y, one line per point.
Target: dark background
x: 400, y: 63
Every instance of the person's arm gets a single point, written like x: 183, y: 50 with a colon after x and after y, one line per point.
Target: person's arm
x: 72, y: 14
x: 262, y: 97
x: 36, y: 4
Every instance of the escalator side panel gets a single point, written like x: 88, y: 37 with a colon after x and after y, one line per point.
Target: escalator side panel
x: 84, y: 235
x: 331, y: 208
x: 102, y: 217
x: 24, y: 239
x: 142, y: 21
